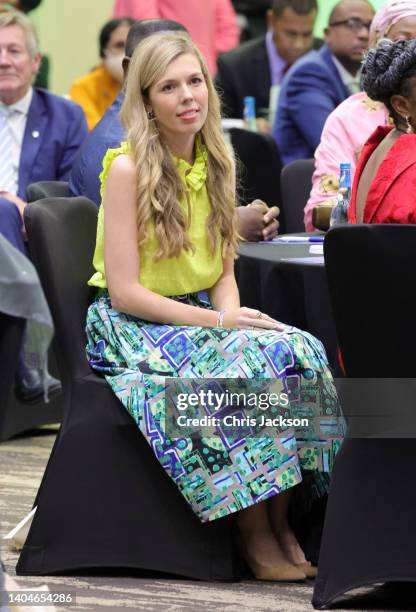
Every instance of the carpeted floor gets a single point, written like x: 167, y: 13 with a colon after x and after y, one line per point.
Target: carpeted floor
x: 22, y: 462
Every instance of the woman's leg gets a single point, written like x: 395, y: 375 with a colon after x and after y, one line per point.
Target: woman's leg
x: 278, y: 509
x: 262, y: 551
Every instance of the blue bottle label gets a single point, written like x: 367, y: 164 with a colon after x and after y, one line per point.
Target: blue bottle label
x: 250, y: 113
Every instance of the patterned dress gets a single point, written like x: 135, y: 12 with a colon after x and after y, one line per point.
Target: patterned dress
x: 220, y: 469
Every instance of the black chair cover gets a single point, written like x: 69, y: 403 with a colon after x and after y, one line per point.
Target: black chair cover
x: 47, y: 189
x: 296, y: 185
x: 369, y: 533
x: 258, y: 173
x: 104, y: 501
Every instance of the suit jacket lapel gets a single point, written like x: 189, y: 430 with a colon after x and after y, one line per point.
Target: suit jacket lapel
x: 342, y: 90
x: 33, y: 136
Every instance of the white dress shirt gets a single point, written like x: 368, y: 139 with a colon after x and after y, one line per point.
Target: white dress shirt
x: 17, y: 117
x: 352, y: 83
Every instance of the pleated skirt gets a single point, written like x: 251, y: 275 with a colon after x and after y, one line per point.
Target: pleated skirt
x: 221, y: 470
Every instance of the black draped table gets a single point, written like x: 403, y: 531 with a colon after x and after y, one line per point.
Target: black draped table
x: 288, y: 283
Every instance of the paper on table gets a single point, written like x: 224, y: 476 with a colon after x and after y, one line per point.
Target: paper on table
x: 300, y: 239
x: 305, y: 260
x: 316, y: 249
x: 229, y: 123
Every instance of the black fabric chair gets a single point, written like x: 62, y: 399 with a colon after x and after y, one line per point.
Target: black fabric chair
x: 258, y: 169
x: 369, y: 533
x: 296, y: 185
x: 104, y: 501
x: 47, y: 189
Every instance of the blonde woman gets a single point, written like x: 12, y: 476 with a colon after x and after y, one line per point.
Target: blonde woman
x: 167, y: 231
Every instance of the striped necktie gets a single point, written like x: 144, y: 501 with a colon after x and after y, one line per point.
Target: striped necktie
x: 7, y: 171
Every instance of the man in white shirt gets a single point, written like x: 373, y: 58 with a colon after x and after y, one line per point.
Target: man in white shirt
x: 39, y: 132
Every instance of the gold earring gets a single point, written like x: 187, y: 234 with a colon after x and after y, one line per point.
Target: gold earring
x: 409, y: 129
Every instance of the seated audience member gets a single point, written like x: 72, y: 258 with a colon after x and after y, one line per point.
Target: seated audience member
x: 42, y: 76
x: 383, y: 188
x: 39, y: 136
x: 256, y: 66
x: 321, y: 80
x: 352, y: 122
x: 257, y: 222
x: 170, y: 233
x: 40, y: 132
x: 212, y: 24
x: 98, y: 89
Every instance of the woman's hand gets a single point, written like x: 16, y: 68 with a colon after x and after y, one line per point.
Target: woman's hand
x: 248, y: 318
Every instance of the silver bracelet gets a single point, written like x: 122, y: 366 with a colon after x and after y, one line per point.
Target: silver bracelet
x: 220, y: 320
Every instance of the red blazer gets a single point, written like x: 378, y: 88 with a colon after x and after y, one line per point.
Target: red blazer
x: 392, y: 195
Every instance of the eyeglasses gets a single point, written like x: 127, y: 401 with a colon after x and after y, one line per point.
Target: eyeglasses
x: 353, y: 23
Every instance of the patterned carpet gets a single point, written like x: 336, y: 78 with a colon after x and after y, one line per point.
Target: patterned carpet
x: 22, y: 463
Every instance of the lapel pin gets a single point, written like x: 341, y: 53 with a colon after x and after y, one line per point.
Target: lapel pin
x: 35, y: 134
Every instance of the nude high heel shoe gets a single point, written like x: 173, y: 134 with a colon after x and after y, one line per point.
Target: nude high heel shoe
x: 281, y: 572
x: 308, y: 569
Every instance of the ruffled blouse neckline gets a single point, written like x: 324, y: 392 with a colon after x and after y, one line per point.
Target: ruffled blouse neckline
x: 194, y: 175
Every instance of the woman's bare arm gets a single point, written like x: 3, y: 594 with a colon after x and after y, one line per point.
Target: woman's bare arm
x: 224, y: 294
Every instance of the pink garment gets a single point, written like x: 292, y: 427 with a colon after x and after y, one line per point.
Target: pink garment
x: 345, y: 132
x: 388, y: 15
x: 212, y: 24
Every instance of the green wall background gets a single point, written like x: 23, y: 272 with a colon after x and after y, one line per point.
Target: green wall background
x: 68, y: 32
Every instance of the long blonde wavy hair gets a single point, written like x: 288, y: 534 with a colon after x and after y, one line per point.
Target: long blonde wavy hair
x: 159, y: 185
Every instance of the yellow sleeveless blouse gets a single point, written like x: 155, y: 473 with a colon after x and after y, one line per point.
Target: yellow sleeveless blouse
x: 188, y: 273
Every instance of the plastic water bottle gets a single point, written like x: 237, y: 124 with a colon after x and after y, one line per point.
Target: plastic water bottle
x: 339, y: 212
x: 250, y: 113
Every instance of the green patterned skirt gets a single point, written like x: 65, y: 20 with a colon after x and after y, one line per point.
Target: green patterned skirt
x: 220, y: 470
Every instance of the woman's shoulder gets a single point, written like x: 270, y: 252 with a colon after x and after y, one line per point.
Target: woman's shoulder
x: 357, y: 115
x: 118, y: 158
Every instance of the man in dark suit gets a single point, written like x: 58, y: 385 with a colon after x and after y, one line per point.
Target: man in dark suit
x: 321, y: 80
x: 39, y: 136
x: 254, y: 67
